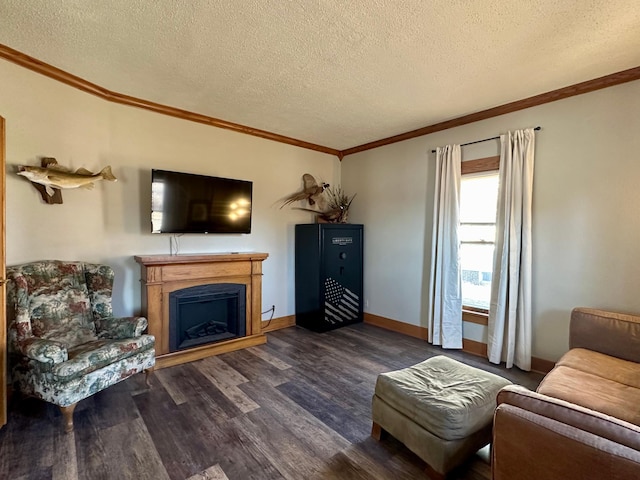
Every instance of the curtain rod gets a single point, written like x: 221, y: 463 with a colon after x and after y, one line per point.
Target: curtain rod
x: 483, y: 140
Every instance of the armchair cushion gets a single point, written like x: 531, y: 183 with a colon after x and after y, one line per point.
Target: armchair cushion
x: 42, y: 385
x: 125, y: 327
x: 94, y: 355
x: 54, y: 298
x: 99, y: 280
x: 44, y: 351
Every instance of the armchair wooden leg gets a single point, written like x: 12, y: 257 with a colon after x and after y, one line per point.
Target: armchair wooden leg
x: 147, y: 375
x: 67, y: 414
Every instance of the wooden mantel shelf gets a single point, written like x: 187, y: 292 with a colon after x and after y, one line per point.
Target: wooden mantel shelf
x: 163, y: 274
x: 199, y: 258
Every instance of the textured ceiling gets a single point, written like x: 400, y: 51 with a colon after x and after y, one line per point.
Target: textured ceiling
x: 334, y: 73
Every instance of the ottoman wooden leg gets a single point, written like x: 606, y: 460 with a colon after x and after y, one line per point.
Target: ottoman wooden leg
x: 433, y: 475
x: 377, y: 431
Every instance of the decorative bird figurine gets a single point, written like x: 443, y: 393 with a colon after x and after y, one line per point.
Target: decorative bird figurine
x: 338, y: 206
x: 310, y: 192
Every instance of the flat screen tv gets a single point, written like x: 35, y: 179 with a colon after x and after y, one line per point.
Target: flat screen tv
x: 189, y: 203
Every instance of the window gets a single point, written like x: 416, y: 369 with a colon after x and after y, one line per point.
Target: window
x: 478, y: 209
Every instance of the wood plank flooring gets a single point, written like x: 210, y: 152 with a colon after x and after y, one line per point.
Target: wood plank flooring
x: 298, y: 407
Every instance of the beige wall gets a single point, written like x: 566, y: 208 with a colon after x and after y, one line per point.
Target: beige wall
x: 586, y: 230
x: 111, y: 223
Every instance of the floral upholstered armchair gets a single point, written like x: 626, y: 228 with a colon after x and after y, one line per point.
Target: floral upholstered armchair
x: 64, y: 343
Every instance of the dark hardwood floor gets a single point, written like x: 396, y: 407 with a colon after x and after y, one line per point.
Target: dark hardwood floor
x: 298, y: 407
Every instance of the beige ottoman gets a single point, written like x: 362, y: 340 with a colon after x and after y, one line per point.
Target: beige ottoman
x: 441, y: 409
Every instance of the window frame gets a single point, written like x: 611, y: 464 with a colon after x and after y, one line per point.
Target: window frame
x: 487, y: 164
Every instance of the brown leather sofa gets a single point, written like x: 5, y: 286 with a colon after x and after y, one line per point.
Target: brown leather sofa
x: 583, y: 420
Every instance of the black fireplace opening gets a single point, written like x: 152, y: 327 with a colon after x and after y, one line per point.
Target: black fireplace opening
x: 206, y: 314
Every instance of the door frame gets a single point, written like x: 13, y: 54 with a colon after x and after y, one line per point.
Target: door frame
x: 3, y: 311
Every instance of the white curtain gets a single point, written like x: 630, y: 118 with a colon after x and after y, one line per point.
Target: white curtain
x: 509, y: 336
x: 445, y: 306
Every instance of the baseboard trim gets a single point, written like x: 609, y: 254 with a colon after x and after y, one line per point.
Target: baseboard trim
x: 541, y: 365
x: 278, y: 323
x: 396, y: 326
x: 474, y: 348
x: 538, y: 365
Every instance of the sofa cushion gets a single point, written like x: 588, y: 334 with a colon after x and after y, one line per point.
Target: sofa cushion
x: 605, y: 366
x: 611, y: 333
x: 594, y: 392
x: 447, y: 398
x: 93, y: 355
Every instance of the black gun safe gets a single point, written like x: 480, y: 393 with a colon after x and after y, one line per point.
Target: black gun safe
x: 328, y: 265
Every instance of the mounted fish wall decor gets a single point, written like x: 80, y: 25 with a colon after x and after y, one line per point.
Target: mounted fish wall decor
x: 51, y: 177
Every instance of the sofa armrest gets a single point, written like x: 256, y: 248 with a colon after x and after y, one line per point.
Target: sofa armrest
x: 527, y: 445
x: 615, y: 334
x: 570, y: 414
x: 118, y: 328
x: 44, y: 351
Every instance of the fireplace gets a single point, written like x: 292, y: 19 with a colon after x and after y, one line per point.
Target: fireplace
x: 163, y: 275
x: 206, y: 314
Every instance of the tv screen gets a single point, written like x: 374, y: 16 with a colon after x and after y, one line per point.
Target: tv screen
x: 189, y: 203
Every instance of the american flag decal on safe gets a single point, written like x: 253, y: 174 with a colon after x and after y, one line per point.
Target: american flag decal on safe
x: 341, y: 304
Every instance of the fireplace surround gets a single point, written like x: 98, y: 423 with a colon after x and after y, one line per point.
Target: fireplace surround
x: 164, y: 275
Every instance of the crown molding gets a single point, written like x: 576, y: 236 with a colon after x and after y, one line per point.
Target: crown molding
x: 552, y: 96
x: 55, y: 73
